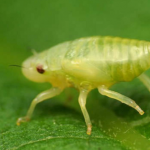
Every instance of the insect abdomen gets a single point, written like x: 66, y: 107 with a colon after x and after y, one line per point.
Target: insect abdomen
x: 107, y: 58
x: 134, y: 58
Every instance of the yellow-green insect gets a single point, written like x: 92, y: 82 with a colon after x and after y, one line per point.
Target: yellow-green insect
x: 86, y: 64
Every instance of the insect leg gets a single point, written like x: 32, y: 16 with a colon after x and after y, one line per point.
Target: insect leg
x: 82, y: 103
x: 145, y: 79
x: 41, y: 97
x: 104, y: 91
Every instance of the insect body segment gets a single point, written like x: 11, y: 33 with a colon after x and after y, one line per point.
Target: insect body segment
x: 107, y: 58
x: 88, y: 63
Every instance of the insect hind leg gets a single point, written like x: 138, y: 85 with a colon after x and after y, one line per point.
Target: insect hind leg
x: 105, y: 91
x: 145, y: 80
x: 41, y: 97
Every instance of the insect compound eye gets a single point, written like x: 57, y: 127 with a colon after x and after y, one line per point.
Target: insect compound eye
x: 40, y: 69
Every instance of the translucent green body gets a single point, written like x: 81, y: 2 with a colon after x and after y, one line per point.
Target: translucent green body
x: 96, y: 60
x: 88, y: 63
x: 105, y: 60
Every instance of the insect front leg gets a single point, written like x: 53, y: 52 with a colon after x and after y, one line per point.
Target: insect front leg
x: 41, y: 97
x: 82, y: 103
x: 104, y: 91
x: 145, y: 79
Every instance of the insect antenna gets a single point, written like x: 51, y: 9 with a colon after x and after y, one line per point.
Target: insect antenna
x: 16, y: 66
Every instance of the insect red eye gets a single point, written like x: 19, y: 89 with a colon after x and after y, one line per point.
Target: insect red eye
x: 40, y: 69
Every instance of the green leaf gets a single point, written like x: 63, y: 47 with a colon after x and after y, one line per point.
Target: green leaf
x: 58, y: 123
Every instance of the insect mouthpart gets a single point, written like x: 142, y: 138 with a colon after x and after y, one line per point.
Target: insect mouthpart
x: 40, y: 69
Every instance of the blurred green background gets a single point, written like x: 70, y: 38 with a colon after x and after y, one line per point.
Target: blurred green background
x: 58, y: 123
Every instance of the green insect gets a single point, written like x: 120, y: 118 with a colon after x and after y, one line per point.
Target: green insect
x: 86, y: 64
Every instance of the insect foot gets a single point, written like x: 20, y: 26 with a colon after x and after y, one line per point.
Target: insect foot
x: 22, y: 119
x: 89, y: 129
